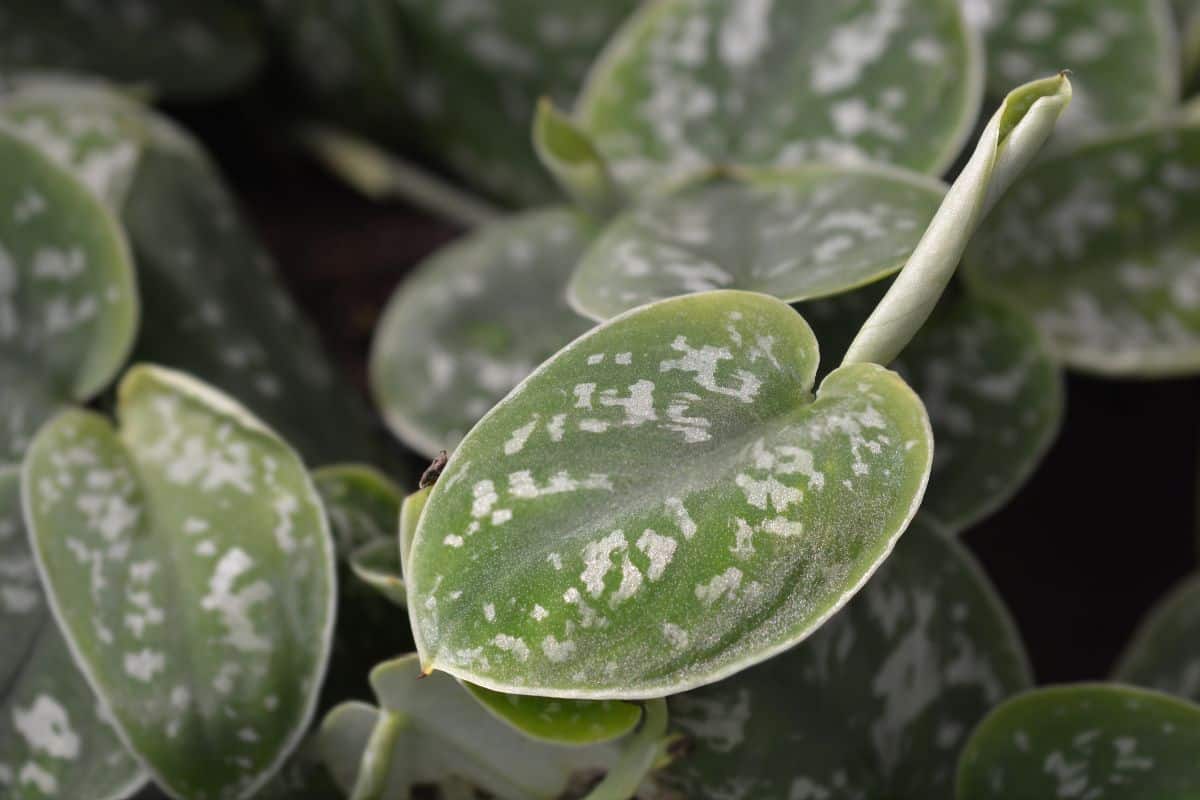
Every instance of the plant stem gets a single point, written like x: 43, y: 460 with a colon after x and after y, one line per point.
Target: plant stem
x: 371, y: 782
x: 637, y: 757
x: 1013, y: 136
x: 377, y: 173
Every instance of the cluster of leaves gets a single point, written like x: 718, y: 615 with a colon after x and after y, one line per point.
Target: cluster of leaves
x: 670, y: 513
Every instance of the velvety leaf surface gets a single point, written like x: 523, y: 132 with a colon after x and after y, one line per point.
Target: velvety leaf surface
x: 876, y: 704
x: 448, y: 734
x: 1102, y: 247
x: 795, y: 234
x: 692, y: 83
x: 193, y: 49
x: 563, y: 721
x: 212, y: 651
x: 995, y: 396
x: 1164, y: 653
x: 663, y: 503
x: 503, y: 55
x: 1085, y: 740
x: 54, y: 741
x: 1122, y: 54
x: 471, y: 322
x: 68, y: 301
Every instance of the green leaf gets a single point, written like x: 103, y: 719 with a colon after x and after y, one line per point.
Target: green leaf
x: 190, y: 50
x: 377, y: 564
x: 663, y: 503
x: 214, y: 306
x: 1085, y: 740
x: 1123, y: 55
x: 410, y: 515
x: 68, y: 300
x: 1100, y: 246
x: 561, y: 721
x: 1163, y: 654
x: 188, y: 561
x: 877, y: 704
x: 795, y: 234
x: 994, y: 394
x: 471, y: 322
x: 363, y: 505
x: 692, y: 83
x: 1187, y: 15
x: 571, y: 157
x: 54, y: 738
x: 446, y: 734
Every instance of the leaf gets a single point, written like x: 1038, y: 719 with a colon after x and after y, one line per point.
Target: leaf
x: 876, y: 704
x: 560, y: 721
x: 571, y: 158
x: 377, y: 564
x: 1163, y: 654
x: 567, y: 551
x: 994, y: 394
x: 68, y: 301
x: 693, y: 83
x: 796, y: 234
x: 214, y: 306
x: 1187, y: 15
x: 410, y: 515
x: 192, y: 50
x: 211, y: 651
x: 471, y: 322
x: 447, y: 734
x: 363, y: 505
x: 1122, y: 55
x: 1084, y: 740
x: 54, y: 740
x: 1099, y: 246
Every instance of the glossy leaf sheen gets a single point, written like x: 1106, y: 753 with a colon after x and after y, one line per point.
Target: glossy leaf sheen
x: 190, y: 50
x: 876, y: 704
x: 471, y: 322
x: 1163, y: 654
x: 994, y: 394
x: 1099, y: 740
x: 1122, y: 54
x: 566, y: 552
x: 1100, y: 246
x: 68, y: 302
x: 795, y: 234
x: 692, y: 83
x: 54, y: 742
x: 212, y: 654
x: 448, y: 734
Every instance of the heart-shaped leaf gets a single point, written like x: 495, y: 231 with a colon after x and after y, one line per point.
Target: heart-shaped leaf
x: 1123, y: 54
x: 795, y: 234
x: 194, y: 49
x: 994, y: 395
x: 211, y: 651
x: 876, y: 704
x: 54, y: 740
x: 472, y: 322
x: 1084, y: 740
x: 692, y: 83
x: 68, y: 300
x: 217, y: 311
x: 1163, y: 652
x: 1100, y: 246
x: 565, y: 553
x: 444, y: 733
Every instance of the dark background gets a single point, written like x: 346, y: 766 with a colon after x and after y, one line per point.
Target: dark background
x: 1100, y: 532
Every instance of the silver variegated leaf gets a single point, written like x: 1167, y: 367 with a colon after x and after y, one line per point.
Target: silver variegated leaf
x: 567, y: 551
x: 1099, y: 245
x: 188, y: 562
x: 68, y: 299
x: 471, y: 322
x: 1165, y: 651
x: 55, y: 737
x: 877, y: 703
x: 693, y: 83
x: 796, y: 234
